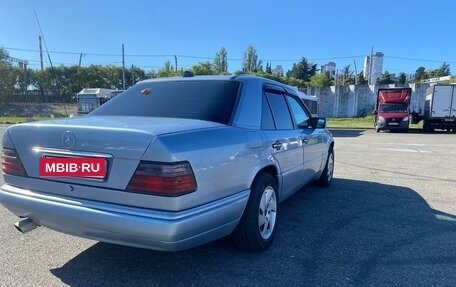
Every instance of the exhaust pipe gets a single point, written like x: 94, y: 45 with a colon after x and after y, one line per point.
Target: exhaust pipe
x: 25, y: 225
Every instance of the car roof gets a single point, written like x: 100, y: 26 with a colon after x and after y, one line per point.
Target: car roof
x: 192, y: 78
x: 240, y: 78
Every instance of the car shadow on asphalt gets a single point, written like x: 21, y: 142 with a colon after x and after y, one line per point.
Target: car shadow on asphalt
x: 354, y: 233
x: 347, y: 133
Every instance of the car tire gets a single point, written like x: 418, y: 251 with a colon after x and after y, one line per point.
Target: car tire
x: 328, y: 173
x: 257, y: 227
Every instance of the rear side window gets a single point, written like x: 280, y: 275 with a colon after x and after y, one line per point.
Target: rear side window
x: 267, y: 123
x: 279, y: 108
x: 203, y: 100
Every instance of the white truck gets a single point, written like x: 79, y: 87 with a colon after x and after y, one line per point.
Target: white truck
x: 439, y: 109
x: 90, y: 99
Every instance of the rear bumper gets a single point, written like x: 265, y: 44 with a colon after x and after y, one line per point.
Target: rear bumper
x: 138, y: 227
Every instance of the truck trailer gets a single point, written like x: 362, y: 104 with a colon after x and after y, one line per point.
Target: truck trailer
x: 392, y: 109
x: 439, y: 109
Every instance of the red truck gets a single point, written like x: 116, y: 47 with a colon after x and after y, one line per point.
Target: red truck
x: 392, y: 109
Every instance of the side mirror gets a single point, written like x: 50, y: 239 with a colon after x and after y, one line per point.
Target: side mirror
x: 319, y: 123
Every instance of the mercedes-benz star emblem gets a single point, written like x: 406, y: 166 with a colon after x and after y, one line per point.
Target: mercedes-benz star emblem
x: 68, y: 139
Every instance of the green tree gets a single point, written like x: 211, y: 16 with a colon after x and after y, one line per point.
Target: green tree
x: 268, y: 68
x: 346, y: 77
x: 294, y: 82
x: 401, y: 78
x: 302, y: 70
x: 320, y: 80
x: 221, y: 62
x: 203, y: 68
x: 4, y: 57
x: 250, y: 63
x: 11, y: 78
x: 443, y: 70
x: 360, y: 79
x: 112, y: 76
x: 167, y: 71
x: 151, y: 74
x: 385, y: 79
x: 264, y: 74
x: 420, y: 74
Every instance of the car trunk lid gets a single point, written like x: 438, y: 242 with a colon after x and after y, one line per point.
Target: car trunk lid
x: 120, y: 140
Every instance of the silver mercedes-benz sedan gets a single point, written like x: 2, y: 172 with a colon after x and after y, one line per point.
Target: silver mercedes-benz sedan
x: 169, y: 164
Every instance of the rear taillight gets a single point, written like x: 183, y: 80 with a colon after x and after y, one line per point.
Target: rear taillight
x: 11, y: 163
x: 169, y: 179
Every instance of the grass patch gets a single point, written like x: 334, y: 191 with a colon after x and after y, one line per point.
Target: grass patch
x: 359, y: 123
x: 18, y: 120
x: 351, y: 123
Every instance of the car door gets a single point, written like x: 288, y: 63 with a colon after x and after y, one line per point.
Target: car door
x: 283, y: 139
x: 312, y: 138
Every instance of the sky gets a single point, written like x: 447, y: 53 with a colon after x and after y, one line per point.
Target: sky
x: 410, y: 34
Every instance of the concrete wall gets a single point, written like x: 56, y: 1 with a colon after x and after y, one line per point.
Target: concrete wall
x: 354, y: 101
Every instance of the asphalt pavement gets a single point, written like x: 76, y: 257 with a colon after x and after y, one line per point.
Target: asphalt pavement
x: 388, y: 219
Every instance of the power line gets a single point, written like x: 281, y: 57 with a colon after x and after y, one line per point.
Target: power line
x: 178, y: 55
x: 420, y: 60
x: 211, y: 58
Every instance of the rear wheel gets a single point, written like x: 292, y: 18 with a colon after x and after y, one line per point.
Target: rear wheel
x: 328, y: 173
x: 257, y: 228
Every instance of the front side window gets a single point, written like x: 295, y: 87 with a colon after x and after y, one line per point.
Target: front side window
x: 299, y: 113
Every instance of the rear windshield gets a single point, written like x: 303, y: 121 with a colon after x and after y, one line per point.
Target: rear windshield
x: 203, y: 100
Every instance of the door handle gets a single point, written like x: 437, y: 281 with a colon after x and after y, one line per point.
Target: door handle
x: 277, y: 145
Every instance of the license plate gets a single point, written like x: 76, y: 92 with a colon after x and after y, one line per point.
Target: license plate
x: 393, y: 124
x: 449, y: 120
x: 82, y: 167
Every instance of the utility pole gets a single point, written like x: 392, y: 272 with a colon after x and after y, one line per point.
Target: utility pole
x: 123, y: 68
x: 175, y: 62
x: 80, y: 59
x: 40, y: 84
x: 41, y: 53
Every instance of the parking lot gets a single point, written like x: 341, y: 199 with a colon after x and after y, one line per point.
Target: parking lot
x: 388, y: 219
